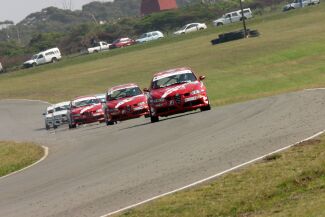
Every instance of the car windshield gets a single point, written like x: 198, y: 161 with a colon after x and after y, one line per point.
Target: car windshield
x: 117, y: 41
x: 102, y: 98
x: 85, y: 102
x: 183, y: 27
x: 123, y: 93
x: 61, y: 108
x: 50, y: 111
x: 34, y: 57
x: 173, y: 79
x: 143, y: 35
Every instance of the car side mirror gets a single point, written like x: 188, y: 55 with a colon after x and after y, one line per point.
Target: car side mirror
x: 44, y: 114
x: 202, y: 77
x: 145, y: 90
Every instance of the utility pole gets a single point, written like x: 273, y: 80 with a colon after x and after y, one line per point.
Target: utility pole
x: 243, y: 18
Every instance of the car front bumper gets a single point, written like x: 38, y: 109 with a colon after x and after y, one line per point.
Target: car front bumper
x: 179, y: 105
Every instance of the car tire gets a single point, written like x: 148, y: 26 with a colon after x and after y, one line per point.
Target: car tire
x: 205, y: 108
x: 34, y: 64
x: 109, y: 123
x: 241, y: 19
x: 154, y: 119
x: 47, y: 127
x: 54, y: 60
x: 72, y: 126
x: 219, y: 24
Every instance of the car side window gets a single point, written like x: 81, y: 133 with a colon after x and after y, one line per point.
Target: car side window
x: 40, y: 56
x: 234, y: 14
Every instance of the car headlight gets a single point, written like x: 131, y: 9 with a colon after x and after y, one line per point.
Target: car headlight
x: 158, y: 100
x: 194, y: 92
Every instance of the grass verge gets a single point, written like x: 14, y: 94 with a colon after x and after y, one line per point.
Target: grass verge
x: 291, y: 183
x: 289, y: 55
x: 15, y: 156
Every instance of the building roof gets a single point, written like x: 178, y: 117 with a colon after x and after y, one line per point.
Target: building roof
x: 151, y: 6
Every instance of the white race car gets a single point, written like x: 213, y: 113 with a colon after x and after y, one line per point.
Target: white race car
x: 56, y: 115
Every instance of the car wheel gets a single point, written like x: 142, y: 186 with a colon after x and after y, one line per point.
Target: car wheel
x: 34, y: 64
x: 47, y: 127
x: 154, y: 119
x: 71, y: 126
x: 205, y: 108
x: 219, y: 24
x: 108, y: 123
x: 54, y: 60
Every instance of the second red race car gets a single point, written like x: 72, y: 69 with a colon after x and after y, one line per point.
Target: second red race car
x: 176, y: 91
x: 83, y: 110
x: 125, y: 102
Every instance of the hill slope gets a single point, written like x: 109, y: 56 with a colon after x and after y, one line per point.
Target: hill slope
x: 289, y: 55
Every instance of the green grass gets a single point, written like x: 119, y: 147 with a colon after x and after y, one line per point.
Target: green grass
x: 289, y: 55
x: 291, y: 183
x: 15, y: 156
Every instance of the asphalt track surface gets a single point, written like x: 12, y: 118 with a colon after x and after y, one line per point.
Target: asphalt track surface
x: 97, y: 169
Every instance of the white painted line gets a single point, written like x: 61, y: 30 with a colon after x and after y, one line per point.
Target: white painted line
x: 320, y: 88
x: 212, y: 177
x: 29, y: 100
x: 46, y: 153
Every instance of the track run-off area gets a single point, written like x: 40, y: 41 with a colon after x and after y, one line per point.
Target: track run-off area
x: 97, y: 169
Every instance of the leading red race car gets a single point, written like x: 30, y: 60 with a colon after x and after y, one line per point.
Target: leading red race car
x: 85, y: 109
x: 176, y: 91
x: 125, y: 102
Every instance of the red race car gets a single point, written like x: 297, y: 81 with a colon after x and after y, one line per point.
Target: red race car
x: 125, y: 102
x: 122, y: 42
x: 85, y: 109
x: 176, y: 91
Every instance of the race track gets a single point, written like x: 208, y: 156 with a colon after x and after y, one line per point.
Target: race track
x: 97, y: 169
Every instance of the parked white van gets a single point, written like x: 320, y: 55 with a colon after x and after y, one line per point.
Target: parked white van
x: 149, y: 36
x: 49, y: 56
x: 233, y: 17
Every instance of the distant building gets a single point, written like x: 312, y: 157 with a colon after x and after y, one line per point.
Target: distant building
x: 151, y: 6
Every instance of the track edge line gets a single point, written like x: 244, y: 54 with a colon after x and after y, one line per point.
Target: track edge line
x: 213, y: 176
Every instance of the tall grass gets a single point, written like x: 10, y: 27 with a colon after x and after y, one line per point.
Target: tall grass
x: 289, y: 55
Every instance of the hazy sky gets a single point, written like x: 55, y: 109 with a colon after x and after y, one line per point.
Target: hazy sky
x: 17, y: 10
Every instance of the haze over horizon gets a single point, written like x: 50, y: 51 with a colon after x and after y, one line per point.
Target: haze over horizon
x: 17, y: 10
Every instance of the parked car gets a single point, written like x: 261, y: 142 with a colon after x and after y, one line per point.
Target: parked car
x: 191, y: 27
x: 122, y: 42
x: 85, y: 109
x: 100, y: 46
x: 1, y: 68
x: 296, y: 4
x: 49, y: 56
x: 176, y: 91
x: 149, y: 36
x: 233, y: 17
x: 125, y: 102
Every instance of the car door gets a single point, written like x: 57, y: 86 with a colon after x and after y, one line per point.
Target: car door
x: 149, y: 36
x: 191, y: 28
x: 235, y: 17
x: 40, y: 59
x: 227, y: 19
